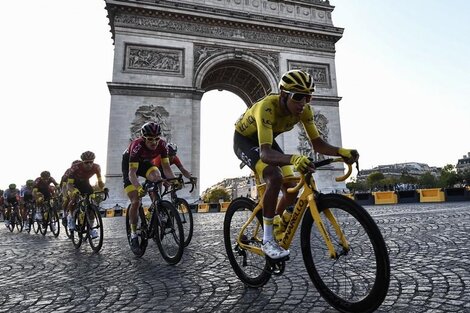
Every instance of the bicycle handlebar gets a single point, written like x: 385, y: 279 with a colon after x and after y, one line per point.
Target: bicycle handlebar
x: 317, y: 165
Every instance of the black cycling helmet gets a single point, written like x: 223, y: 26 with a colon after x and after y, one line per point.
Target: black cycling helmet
x: 87, y: 156
x: 45, y: 174
x: 150, y: 129
x: 29, y: 182
x: 12, y: 186
x: 297, y: 81
x: 172, y: 149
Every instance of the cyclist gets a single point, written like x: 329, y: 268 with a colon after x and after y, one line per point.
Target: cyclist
x: 26, y: 197
x: 41, y: 189
x: 11, y: 198
x: 174, y: 159
x: 78, y: 182
x: 136, y: 161
x: 63, y: 191
x: 255, y: 145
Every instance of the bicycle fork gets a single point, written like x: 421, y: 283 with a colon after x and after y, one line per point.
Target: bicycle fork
x: 322, y: 229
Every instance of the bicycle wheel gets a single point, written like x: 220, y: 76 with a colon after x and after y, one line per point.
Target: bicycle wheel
x: 357, y: 280
x: 35, y: 222
x: 43, y: 222
x: 186, y: 217
x: 169, y: 233
x: 11, y: 218
x: 94, y: 228
x: 77, y: 234
x: 142, y: 230
x: 251, y: 268
x: 54, y: 222
x: 19, y: 222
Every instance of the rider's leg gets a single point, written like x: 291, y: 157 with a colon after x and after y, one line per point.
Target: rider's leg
x: 273, y: 178
x: 134, y: 210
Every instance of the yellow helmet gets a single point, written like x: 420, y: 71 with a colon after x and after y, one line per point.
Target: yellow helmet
x: 297, y: 81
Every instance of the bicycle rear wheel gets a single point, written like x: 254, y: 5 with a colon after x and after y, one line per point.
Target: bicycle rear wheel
x: 142, y: 231
x: 94, y: 227
x: 357, y: 280
x: 186, y: 217
x: 251, y: 268
x: 169, y: 233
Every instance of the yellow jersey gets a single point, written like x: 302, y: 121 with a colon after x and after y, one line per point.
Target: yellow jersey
x: 264, y: 120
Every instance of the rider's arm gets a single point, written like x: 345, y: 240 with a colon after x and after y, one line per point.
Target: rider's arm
x: 323, y: 147
x: 133, y: 166
x: 167, y: 169
x: 98, y: 177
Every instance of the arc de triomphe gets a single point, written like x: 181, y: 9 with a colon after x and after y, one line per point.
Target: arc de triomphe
x: 168, y: 53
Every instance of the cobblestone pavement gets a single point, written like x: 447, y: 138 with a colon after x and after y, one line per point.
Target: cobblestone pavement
x: 429, y: 250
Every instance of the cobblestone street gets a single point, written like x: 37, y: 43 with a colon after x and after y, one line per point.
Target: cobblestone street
x: 429, y: 250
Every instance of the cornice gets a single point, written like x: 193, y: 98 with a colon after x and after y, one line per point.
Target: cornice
x: 220, y: 17
x: 132, y: 89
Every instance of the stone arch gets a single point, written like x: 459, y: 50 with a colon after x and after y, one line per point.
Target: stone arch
x: 169, y: 52
x: 240, y: 73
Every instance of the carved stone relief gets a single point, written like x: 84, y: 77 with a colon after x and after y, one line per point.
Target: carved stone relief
x: 154, y: 59
x: 204, y: 52
x: 151, y: 113
x: 235, y: 32
x: 304, y: 143
x: 319, y: 71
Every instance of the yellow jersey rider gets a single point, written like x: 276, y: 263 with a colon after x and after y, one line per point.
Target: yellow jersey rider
x: 255, y: 145
x: 136, y: 161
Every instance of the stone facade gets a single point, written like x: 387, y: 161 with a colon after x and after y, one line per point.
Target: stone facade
x: 168, y: 53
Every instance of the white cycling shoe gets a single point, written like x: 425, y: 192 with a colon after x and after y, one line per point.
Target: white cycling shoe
x: 272, y: 249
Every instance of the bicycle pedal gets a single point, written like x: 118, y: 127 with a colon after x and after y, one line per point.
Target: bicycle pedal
x: 275, y: 261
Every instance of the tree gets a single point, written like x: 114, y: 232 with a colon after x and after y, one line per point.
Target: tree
x: 427, y: 180
x: 373, y: 180
x: 214, y: 195
x: 449, y: 177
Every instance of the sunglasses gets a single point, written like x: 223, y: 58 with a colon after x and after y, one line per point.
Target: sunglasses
x: 152, y: 139
x: 299, y: 96
x: 88, y: 162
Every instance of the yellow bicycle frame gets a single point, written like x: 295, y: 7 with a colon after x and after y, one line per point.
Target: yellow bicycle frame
x: 306, y: 198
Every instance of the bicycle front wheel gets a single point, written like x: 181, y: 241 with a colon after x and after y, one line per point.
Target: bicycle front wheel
x: 94, y: 228
x: 186, y: 217
x: 251, y: 268
x: 54, y: 222
x: 19, y: 222
x: 142, y: 230
x: 169, y: 233
x: 357, y: 279
x: 77, y: 234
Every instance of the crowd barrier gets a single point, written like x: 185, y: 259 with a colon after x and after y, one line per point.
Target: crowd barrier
x: 363, y: 198
x: 385, y: 197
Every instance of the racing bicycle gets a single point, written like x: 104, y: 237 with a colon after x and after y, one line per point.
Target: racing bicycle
x: 342, y: 247
x: 88, y: 221
x: 161, y: 223
x: 183, y: 207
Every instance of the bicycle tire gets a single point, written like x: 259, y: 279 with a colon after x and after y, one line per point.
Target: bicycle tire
x: 94, y: 221
x: 169, y: 233
x: 364, y: 268
x: 186, y: 217
x: 142, y: 231
x: 43, y: 223
x: 77, y: 234
x: 247, y: 266
x: 35, y: 223
x: 54, y: 220
x: 11, y: 218
x: 19, y: 222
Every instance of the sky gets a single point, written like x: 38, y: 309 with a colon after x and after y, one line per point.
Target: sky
x: 402, y: 71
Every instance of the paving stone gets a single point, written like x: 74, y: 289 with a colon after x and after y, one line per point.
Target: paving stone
x: 429, y: 246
